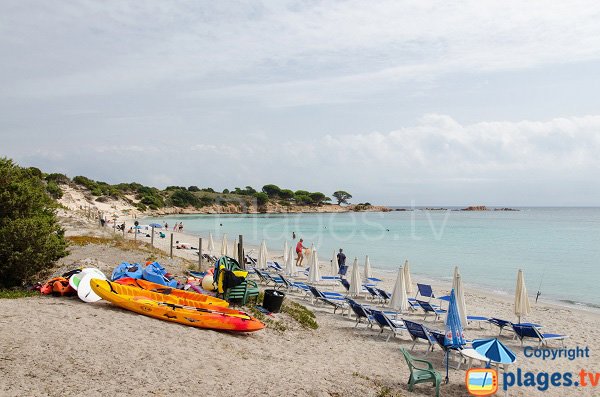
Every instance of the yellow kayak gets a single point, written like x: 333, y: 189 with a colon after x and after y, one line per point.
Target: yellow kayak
x: 175, y: 309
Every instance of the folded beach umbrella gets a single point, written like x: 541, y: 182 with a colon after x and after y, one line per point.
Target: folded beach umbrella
x: 408, y: 278
x: 314, y: 275
x: 262, y: 256
x: 290, y: 268
x: 224, y: 246
x: 335, y: 268
x: 367, y: 268
x: 399, y: 299
x: 211, y: 243
x: 355, y: 281
x: 460, y: 297
x: 454, y: 336
x: 522, y: 306
x: 234, y: 250
x: 285, y: 251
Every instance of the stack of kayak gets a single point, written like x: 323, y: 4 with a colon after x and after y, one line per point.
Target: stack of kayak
x: 174, y: 305
x: 152, y: 291
x: 153, y: 272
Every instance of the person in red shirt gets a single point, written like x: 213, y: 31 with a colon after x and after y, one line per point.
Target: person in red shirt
x: 299, y: 248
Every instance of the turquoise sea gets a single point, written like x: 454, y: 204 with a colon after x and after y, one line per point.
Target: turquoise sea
x: 558, y: 248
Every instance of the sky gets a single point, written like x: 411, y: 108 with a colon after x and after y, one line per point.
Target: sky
x: 397, y: 102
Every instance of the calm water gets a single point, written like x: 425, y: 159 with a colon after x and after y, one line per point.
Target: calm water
x: 557, y: 247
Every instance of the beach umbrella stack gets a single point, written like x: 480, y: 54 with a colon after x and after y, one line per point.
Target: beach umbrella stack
x: 367, y: 268
x: 314, y: 275
x: 355, y: 281
x: 335, y: 268
x: 522, y: 306
x: 399, y: 299
x: 408, y: 278
x: 457, y: 286
x: 454, y: 336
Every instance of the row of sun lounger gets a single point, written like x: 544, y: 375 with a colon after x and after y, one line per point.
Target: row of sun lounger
x: 389, y: 319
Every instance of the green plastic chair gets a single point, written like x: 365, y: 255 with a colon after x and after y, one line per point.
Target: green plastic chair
x: 243, y: 292
x: 420, y: 375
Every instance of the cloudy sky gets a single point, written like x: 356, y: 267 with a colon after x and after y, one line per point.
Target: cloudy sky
x: 436, y: 103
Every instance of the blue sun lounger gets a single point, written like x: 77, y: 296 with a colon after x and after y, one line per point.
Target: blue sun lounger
x: 428, y: 308
x: 500, y: 323
x: 361, y: 312
x: 385, y: 322
x: 337, y: 301
x: 528, y: 331
x: 426, y: 291
x: 419, y: 331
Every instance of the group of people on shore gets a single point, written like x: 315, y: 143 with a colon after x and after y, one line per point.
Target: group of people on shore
x: 341, y: 257
x: 177, y: 228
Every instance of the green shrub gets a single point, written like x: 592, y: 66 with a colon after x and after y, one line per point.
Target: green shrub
x: 184, y: 198
x: 54, y: 190
x: 31, y: 236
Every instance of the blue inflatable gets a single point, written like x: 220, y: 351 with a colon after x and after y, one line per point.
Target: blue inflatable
x: 125, y: 269
x: 155, y: 273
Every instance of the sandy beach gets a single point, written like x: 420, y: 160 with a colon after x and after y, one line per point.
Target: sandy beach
x: 64, y: 347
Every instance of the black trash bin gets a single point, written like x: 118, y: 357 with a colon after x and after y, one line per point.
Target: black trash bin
x: 273, y: 300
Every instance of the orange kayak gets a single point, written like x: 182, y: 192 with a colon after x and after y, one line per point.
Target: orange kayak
x: 174, y: 309
x: 179, y: 293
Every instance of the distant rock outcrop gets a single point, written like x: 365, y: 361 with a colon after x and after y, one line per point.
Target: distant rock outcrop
x: 484, y: 208
x: 475, y: 208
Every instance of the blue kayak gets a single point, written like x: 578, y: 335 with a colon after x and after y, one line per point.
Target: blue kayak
x: 125, y: 269
x: 155, y: 273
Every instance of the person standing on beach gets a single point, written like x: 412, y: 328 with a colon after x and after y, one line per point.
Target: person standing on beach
x: 341, y: 258
x: 293, y: 235
x: 299, y: 248
x: 180, y: 227
x: 166, y: 226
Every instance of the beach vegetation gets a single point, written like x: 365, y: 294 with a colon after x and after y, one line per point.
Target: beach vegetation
x: 193, y: 196
x: 342, y: 197
x: 303, y: 199
x: 184, y: 198
x: 271, y: 190
x: 32, y: 240
x: 305, y: 317
x: 318, y: 198
x: 58, y: 178
x: 261, y: 199
x: 54, y: 190
x: 286, y: 194
x: 17, y: 293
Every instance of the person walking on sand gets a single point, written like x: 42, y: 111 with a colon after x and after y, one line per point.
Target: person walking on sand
x: 299, y: 248
x: 166, y: 226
